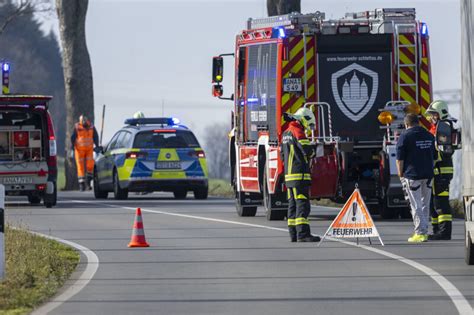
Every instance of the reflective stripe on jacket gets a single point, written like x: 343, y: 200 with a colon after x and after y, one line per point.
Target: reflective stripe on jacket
x: 296, y: 152
x: 443, y: 165
x: 84, y: 137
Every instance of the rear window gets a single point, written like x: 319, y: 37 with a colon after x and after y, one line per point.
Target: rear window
x: 21, y: 136
x: 165, y: 139
x: 25, y: 119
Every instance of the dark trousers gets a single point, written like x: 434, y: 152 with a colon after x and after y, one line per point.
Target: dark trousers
x: 298, y: 212
x: 441, y: 212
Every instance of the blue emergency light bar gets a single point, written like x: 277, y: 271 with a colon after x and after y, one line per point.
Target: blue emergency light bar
x: 424, y: 29
x: 278, y: 32
x: 168, y: 121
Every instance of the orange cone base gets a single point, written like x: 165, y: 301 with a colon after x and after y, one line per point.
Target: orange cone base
x: 135, y: 244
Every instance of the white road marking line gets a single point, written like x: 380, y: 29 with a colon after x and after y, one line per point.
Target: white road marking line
x: 459, y: 301
x: 78, y: 285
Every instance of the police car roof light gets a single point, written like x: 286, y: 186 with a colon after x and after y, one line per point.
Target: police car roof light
x: 168, y: 121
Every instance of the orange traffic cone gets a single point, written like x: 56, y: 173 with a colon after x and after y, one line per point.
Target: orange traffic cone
x: 138, y: 234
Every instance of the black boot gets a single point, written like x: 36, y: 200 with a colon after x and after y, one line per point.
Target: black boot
x: 311, y: 238
x: 444, y: 232
x: 292, y: 231
x: 82, y: 186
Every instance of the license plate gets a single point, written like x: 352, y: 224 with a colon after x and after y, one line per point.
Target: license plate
x: 17, y: 180
x: 292, y: 85
x: 166, y: 165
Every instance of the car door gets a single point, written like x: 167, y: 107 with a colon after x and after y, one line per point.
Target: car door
x: 108, y: 162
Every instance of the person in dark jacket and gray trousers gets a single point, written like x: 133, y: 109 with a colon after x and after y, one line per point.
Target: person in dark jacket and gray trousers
x: 415, y: 159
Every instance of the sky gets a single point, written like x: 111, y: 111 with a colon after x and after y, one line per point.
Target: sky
x: 156, y: 56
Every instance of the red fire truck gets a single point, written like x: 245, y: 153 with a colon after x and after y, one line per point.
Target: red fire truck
x: 348, y: 70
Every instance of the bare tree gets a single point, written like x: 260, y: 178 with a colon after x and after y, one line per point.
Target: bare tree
x: 24, y: 7
x: 77, y: 72
x: 279, y: 7
x: 216, y: 144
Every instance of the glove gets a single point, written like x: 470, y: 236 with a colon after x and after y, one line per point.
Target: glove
x: 71, y: 154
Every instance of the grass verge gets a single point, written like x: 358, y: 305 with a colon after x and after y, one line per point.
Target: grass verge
x: 220, y: 188
x: 36, y: 268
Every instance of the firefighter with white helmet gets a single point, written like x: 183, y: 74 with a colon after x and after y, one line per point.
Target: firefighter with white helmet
x: 441, y: 212
x: 296, y: 152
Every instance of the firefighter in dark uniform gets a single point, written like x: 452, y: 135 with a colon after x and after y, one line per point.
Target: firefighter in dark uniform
x: 296, y: 153
x: 441, y: 212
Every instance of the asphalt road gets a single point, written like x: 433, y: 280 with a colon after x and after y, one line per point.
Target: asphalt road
x: 204, y: 259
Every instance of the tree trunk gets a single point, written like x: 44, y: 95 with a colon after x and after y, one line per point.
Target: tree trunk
x: 279, y: 7
x: 77, y: 73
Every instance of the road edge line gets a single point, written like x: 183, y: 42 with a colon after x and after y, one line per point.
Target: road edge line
x: 84, y: 278
x: 458, y: 299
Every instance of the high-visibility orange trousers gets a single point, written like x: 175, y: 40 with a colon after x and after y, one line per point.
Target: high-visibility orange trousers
x: 84, y: 163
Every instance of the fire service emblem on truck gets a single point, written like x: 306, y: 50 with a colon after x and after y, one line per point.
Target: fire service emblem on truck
x: 355, y: 90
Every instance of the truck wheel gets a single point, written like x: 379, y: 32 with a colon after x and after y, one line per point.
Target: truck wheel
x: 242, y: 211
x: 271, y: 214
x: 34, y: 200
x: 201, y: 193
x: 98, y: 193
x: 469, y: 250
x: 180, y: 194
x: 245, y: 211
x: 119, y: 193
x: 50, y: 200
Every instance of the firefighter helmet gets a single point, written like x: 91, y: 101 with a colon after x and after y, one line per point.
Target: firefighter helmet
x: 306, y: 117
x: 138, y: 114
x: 440, y: 108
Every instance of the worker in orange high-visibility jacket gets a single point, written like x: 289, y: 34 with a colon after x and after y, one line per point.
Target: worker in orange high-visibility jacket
x: 83, y: 140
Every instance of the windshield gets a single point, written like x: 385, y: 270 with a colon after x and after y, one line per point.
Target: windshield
x: 157, y: 139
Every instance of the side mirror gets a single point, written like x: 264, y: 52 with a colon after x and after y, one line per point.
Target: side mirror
x: 444, y: 136
x: 99, y: 150
x: 217, y: 69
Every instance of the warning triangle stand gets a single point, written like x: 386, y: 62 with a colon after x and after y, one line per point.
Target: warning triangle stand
x: 353, y: 221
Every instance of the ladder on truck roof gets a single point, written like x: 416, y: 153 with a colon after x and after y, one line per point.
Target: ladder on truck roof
x: 294, y: 18
x: 410, y: 29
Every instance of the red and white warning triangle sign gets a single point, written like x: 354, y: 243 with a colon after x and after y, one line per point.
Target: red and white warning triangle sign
x: 353, y: 221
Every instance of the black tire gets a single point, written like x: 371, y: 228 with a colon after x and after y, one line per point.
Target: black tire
x: 201, y: 193
x: 50, y: 200
x: 98, y: 193
x: 55, y: 198
x: 34, y: 200
x: 469, y: 257
x: 271, y: 214
x: 180, y: 194
x: 245, y: 211
x: 119, y: 193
